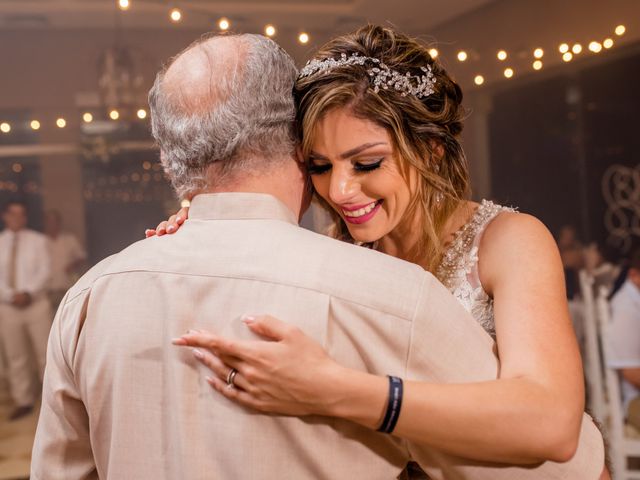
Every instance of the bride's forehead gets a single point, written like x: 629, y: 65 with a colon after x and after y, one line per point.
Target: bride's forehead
x: 342, y: 128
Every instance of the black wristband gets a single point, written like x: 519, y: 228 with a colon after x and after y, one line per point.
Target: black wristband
x: 393, y: 405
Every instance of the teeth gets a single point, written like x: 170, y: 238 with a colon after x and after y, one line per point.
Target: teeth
x: 360, y: 212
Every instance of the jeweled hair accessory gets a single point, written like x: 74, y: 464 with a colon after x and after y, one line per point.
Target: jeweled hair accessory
x: 380, y: 74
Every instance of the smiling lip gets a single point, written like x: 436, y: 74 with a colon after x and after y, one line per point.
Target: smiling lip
x: 364, y: 216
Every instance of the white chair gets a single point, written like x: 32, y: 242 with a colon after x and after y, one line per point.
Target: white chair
x: 594, y: 376
x: 621, y: 445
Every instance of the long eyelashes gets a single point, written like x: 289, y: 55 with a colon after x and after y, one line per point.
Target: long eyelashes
x: 359, y: 167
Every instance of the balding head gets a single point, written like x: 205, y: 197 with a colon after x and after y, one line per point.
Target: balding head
x: 224, y: 104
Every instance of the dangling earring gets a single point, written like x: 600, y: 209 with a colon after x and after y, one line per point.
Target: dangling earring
x: 438, y: 196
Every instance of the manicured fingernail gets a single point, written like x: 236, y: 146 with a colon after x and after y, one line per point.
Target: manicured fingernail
x: 148, y: 231
x: 178, y: 341
x: 170, y: 228
x: 248, y: 319
x: 179, y: 219
x: 197, y: 353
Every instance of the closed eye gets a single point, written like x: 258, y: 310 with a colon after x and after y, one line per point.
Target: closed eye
x: 368, y: 167
x: 314, y: 169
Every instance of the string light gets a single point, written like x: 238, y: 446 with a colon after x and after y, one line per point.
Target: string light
x: 502, y: 55
x: 114, y: 115
x: 175, y: 15
x: 564, y: 48
x: 462, y: 56
x: 433, y: 52
x: 35, y: 125
x: 87, y: 117
x: 124, y: 4
x: 508, y: 72
x: 5, y: 127
x: 142, y: 114
x: 595, y: 47
x: 303, y: 38
x: 223, y: 24
x: 537, y: 65
x: 478, y: 80
x: 576, y: 49
x: 269, y: 30
x: 538, y: 53
x: 608, y: 43
x: 567, y: 56
x: 620, y: 29
x: 61, y: 122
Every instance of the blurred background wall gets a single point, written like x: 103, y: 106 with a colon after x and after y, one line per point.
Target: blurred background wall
x: 558, y: 140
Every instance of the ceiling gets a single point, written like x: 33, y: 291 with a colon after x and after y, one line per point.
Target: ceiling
x: 244, y: 15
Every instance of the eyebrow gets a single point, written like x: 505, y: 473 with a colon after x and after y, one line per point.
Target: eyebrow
x: 348, y: 153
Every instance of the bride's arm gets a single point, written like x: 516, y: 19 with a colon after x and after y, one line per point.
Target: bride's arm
x: 531, y: 413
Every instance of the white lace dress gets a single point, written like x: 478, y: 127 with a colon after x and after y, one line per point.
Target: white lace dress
x: 458, y: 270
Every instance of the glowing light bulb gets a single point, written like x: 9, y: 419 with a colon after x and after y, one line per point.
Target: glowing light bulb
x: 433, y: 52
x: 567, y: 56
x: 537, y: 65
x: 538, y: 53
x: 142, y: 114
x: 620, y: 29
x: 303, y: 38
x: 223, y: 24
x: 114, y: 115
x: 87, y: 117
x: 564, y: 48
x: 608, y: 43
x: 5, y: 127
x: 35, y: 125
x: 175, y: 15
x: 462, y: 55
x: 124, y: 4
x: 502, y: 55
x: 576, y: 49
x: 479, y: 80
x: 508, y: 72
x: 595, y: 47
x: 61, y: 123
x: 269, y: 30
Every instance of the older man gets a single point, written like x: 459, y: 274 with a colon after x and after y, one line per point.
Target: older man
x: 25, y: 314
x: 121, y: 402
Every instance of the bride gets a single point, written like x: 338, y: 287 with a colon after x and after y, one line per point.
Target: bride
x: 379, y: 122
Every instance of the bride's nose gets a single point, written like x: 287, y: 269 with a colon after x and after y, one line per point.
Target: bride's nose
x: 343, y: 188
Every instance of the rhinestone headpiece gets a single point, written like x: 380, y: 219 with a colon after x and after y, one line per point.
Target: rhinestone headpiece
x: 381, y: 76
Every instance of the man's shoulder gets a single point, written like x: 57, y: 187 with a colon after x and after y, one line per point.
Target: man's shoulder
x: 626, y: 300
x: 35, y: 235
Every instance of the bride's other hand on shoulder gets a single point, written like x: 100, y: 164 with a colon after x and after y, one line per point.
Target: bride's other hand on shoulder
x: 169, y: 226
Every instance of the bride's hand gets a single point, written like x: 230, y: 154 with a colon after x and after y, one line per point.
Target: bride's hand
x: 287, y: 374
x: 169, y: 226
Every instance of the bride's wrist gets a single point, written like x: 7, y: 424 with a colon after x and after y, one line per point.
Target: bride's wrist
x: 355, y: 396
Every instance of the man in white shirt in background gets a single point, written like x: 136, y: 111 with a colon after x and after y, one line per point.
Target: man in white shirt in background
x: 67, y: 257
x: 25, y: 313
x: 624, y: 339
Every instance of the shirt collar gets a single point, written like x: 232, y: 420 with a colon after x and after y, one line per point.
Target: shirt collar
x: 240, y: 206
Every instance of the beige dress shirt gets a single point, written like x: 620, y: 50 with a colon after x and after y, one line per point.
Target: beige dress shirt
x: 32, y: 263
x: 121, y: 402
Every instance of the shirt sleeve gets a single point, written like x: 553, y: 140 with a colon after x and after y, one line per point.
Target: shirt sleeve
x: 62, y: 446
x: 623, y: 336
x: 37, y: 282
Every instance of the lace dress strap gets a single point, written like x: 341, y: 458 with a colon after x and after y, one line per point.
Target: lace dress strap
x: 458, y: 270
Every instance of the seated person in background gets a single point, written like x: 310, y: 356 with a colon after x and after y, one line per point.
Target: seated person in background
x: 624, y: 339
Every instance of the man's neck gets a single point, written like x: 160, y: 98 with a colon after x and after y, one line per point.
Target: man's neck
x: 285, y: 183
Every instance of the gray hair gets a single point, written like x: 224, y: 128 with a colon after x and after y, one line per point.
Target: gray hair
x: 242, y: 120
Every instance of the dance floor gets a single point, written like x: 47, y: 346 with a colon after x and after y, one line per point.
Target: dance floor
x: 16, y: 439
